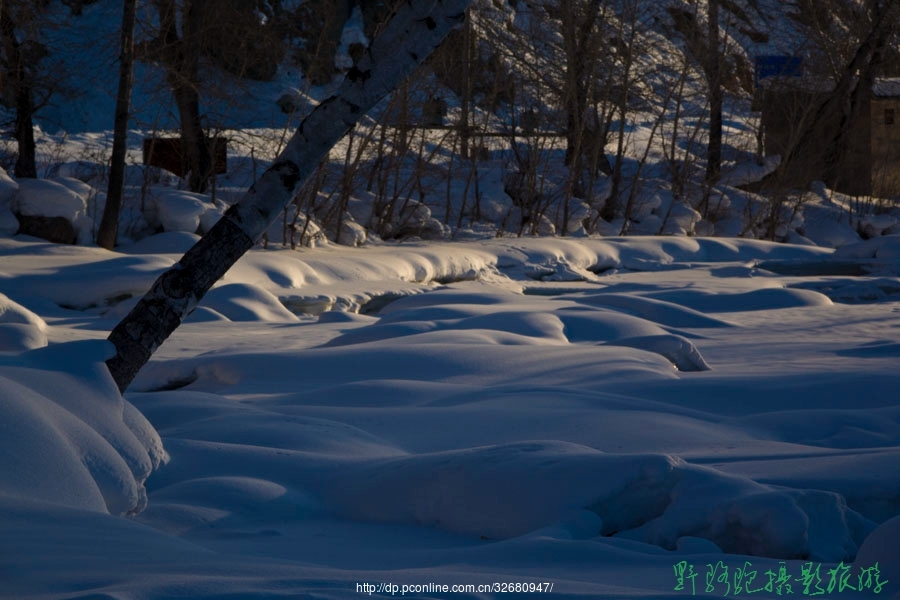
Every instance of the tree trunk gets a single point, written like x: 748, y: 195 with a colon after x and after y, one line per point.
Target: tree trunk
x: 581, y: 58
x: 181, y: 57
x: 412, y: 33
x: 193, y: 138
x: 26, y: 165
x: 109, y: 224
x: 466, y: 96
x: 188, y: 97
x: 714, y: 80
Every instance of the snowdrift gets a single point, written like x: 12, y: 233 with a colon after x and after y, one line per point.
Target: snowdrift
x: 68, y: 436
x: 590, y: 412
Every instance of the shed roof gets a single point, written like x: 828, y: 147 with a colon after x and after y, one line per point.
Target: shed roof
x: 884, y: 87
x: 888, y: 87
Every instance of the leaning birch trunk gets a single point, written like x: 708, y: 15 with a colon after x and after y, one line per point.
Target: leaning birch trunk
x: 411, y: 34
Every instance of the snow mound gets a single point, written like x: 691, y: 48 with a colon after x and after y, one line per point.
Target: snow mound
x: 177, y: 210
x: 20, y: 329
x: 657, y: 499
x: 76, y: 185
x: 679, y: 350
x: 658, y: 311
x: 880, y: 549
x: 508, y: 319
x: 749, y: 172
x: 761, y: 299
x: 245, y: 302
x: 46, y: 198
x: 824, y: 225
x: 68, y: 436
x: 882, y: 248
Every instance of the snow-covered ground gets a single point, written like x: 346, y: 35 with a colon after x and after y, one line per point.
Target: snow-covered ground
x: 601, y: 415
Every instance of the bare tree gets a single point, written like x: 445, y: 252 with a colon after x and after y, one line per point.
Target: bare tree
x: 179, y: 54
x: 714, y: 80
x: 579, y: 23
x: 628, y: 51
x: 411, y: 34
x: 20, y: 58
x: 109, y: 224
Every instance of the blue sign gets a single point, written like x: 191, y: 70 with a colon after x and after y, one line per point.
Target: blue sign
x: 777, y: 66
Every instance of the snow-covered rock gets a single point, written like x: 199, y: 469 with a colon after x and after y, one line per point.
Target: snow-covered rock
x: 830, y: 232
x: 76, y: 185
x: 682, y: 220
x: 53, y: 209
x: 352, y: 234
x: 177, y: 210
x: 749, y: 172
x: 578, y: 212
x: 244, y: 302
x: 885, y: 248
x: 874, y: 225
x: 46, y: 198
x: 545, y: 226
x: 20, y: 329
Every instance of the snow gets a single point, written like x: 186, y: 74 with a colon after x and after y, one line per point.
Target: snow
x: 586, y: 411
x: 880, y: 548
x: 8, y: 189
x: 178, y: 210
x: 68, y: 437
x: 886, y: 248
x: 353, y: 33
x: 20, y: 329
x: 45, y: 197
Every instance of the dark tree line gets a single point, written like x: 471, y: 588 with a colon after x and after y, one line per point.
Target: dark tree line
x: 579, y: 70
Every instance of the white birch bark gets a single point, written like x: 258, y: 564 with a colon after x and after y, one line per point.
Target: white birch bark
x: 412, y: 33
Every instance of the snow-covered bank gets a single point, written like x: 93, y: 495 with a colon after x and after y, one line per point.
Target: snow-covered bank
x: 591, y: 413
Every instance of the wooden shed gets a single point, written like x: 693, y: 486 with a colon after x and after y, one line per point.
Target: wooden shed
x: 870, y: 163
x: 884, y: 117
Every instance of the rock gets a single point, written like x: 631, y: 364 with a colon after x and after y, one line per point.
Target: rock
x: 9, y: 225
x: 58, y: 230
